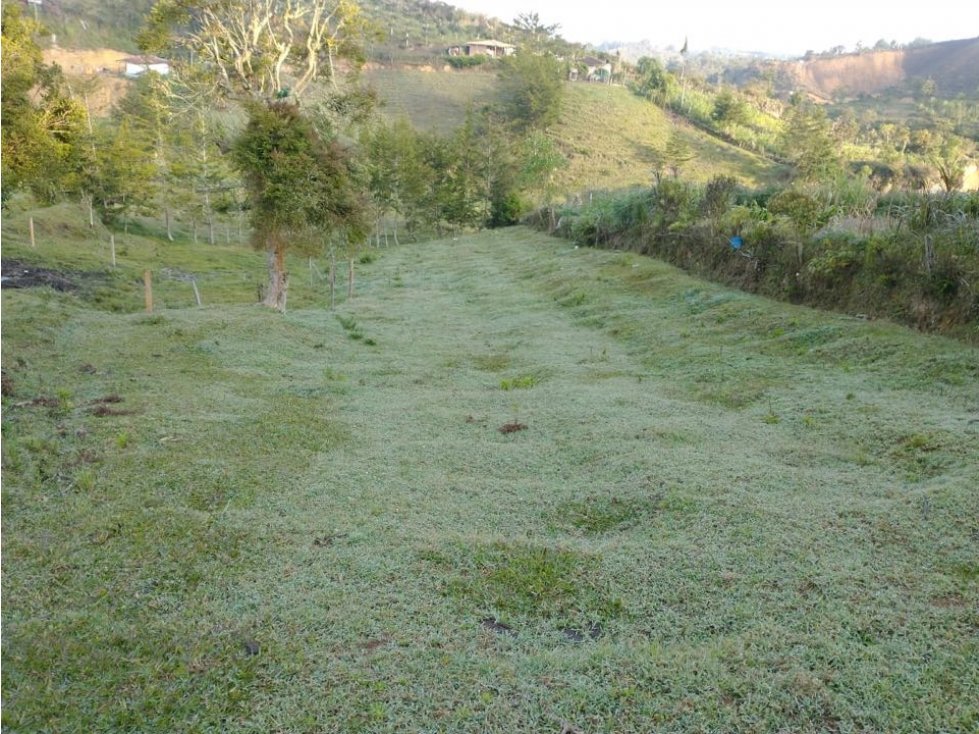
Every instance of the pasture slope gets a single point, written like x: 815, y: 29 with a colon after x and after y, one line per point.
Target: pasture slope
x: 512, y: 486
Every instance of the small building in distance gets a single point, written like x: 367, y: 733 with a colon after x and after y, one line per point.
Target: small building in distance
x: 592, y: 69
x: 496, y: 49
x: 137, y: 65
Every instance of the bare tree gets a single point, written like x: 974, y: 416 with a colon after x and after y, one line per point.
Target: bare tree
x: 259, y: 48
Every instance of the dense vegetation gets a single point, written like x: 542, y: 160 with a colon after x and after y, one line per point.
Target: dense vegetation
x: 913, y: 258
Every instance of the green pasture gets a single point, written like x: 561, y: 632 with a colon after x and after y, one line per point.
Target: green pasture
x: 512, y: 485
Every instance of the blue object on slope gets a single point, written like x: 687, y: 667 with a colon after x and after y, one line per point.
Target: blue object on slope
x: 736, y: 243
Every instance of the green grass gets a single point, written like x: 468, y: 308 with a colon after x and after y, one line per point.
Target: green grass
x: 605, y: 132
x: 224, y: 519
x: 432, y: 100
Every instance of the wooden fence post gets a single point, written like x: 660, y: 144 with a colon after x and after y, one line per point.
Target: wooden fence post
x: 197, y: 293
x: 148, y: 290
x: 31, y: 220
x: 112, y: 244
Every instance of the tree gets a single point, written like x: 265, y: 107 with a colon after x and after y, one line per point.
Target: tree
x: 541, y: 160
x: 532, y: 88
x: 301, y: 188
x: 39, y: 122
x: 256, y: 49
x: 119, y: 172
x: 147, y: 108
x: 261, y: 52
x: 950, y: 161
x: 678, y: 152
x: 654, y: 82
x: 729, y: 108
x: 810, y: 145
x: 541, y: 33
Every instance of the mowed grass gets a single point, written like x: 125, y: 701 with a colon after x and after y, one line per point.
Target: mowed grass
x: 718, y: 513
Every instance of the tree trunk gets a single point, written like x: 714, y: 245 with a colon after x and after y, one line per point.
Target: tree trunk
x: 210, y: 217
x: 166, y: 218
x: 350, y: 279
x: 275, y: 294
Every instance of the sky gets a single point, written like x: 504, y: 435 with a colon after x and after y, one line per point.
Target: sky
x: 774, y: 26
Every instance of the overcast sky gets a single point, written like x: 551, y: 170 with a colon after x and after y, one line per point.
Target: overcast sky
x: 773, y: 26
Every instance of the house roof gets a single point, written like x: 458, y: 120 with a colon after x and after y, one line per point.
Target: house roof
x: 143, y: 60
x: 592, y: 61
x: 490, y: 42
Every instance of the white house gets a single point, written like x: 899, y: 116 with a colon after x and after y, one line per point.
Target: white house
x: 136, y: 65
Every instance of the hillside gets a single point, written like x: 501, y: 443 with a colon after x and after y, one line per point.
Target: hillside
x: 513, y: 486
x: 606, y: 132
x: 953, y: 66
x: 405, y: 30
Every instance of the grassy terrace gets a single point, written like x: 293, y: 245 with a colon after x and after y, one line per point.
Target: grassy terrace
x: 704, y: 511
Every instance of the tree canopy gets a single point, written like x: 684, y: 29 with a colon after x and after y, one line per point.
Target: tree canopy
x: 40, y: 121
x: 532, y: 88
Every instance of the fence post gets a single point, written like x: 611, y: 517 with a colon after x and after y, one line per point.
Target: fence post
x: 197, y: 293
x: 148, y: 290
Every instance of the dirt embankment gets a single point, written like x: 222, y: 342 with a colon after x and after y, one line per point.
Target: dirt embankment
x: 952, y: 65
x: 97, y: 74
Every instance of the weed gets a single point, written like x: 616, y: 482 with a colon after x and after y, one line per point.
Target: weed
x: 522, y: 382
x: 533, y: 581
x: 602, y: 514
x: 492, y: 362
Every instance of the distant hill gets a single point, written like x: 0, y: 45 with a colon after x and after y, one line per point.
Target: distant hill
x: 606, y: 132
x: 407, y: 30
x: 953, y: 66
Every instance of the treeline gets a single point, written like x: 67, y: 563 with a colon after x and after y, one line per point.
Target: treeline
x: 165, y: 150
x: 913, y: 258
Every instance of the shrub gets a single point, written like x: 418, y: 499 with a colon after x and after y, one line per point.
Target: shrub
x: 913, y: 258
x: 466, y: 62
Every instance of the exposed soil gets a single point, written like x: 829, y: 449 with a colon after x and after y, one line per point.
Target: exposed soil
x: 17, y: 274
x: 952, y: 64
x: 512, y: 427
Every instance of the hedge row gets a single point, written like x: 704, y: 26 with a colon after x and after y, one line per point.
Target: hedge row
x: 912, y: 258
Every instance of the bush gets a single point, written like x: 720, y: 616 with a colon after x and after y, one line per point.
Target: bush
x: 466, y: 62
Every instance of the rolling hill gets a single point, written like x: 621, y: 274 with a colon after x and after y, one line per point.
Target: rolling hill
x: 605, y: 132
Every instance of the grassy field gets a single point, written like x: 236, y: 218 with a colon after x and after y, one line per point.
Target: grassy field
x: 606, y: 132
x: 511, y: 486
